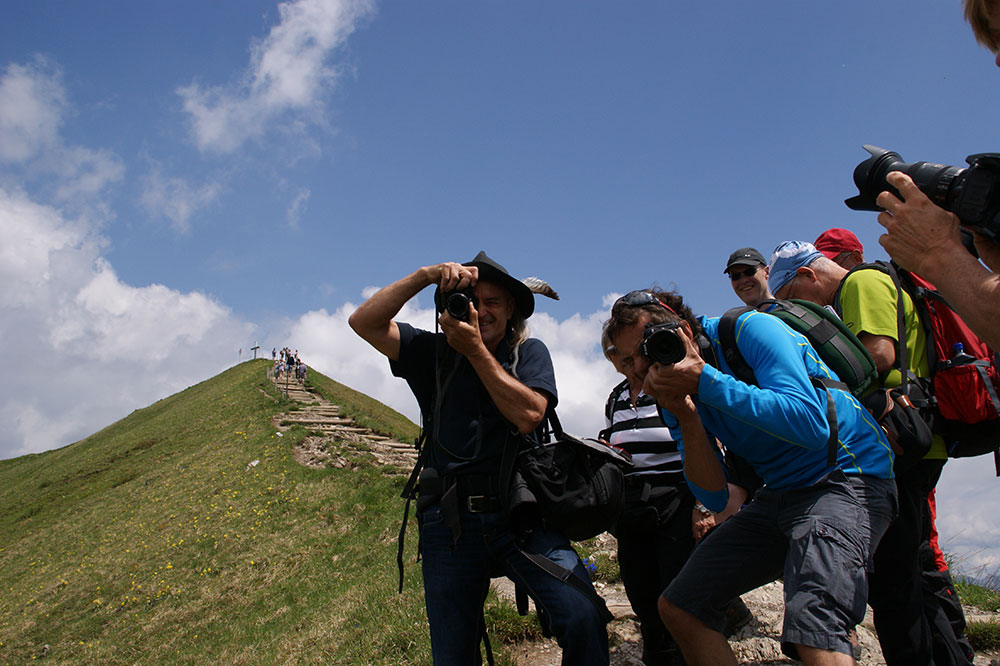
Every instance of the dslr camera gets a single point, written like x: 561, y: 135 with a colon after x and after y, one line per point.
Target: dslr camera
x: 456, y: 303
x: 661, y: 343
x: 973, y: 194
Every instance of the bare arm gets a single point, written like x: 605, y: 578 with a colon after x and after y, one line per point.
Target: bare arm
x: 373, y: 320
x: 737, y: 498
x: 522, y: 406
x: 702, y: 466
x: 925, y: 239
x: 883, y: 351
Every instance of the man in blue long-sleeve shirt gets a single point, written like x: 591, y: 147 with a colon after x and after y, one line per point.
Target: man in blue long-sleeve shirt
x: 813, y: 524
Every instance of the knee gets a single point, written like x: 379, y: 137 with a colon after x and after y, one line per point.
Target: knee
x: 582, y: 618
x: 674, y: 617
x: 581, y: 626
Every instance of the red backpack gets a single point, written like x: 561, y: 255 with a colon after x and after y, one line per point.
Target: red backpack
x: 964, y: 379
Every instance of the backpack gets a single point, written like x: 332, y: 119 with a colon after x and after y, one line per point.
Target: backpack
x: 839, y: 348
x: 847, y: 357
x: 964, y: 381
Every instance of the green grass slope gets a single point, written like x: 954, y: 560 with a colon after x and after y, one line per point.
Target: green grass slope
x: 156, y: 541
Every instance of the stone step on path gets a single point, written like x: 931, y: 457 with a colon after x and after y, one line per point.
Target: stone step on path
x: 333, y: 433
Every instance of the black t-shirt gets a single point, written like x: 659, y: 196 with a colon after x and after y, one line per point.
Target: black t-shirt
x: 471, y: 428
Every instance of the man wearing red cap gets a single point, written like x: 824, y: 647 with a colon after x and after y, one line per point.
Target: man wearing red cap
x: 842, y: 247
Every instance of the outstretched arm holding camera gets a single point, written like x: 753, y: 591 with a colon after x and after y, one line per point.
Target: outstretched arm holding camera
x: 475, y: 339
x: 373, y: 321
x: 925, y: 239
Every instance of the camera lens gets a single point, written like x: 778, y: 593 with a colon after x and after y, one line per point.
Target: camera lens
x: 938, y: 181
x: 457, y: 305
x: 973, y: 194
x: 661, y: 343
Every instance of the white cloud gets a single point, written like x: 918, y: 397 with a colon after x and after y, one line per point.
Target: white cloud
x: 294, y: 212
x: 967, y: 517
x: 176, y: 199
x: 327, y: 343
x: 86, y: 349
x: 32, y: 106
x: 32, y: 103
x: 289, y: 71
x: 84, y: 172
x: 584, y: 377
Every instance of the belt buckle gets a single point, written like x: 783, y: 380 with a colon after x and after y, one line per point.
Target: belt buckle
x: 472, y: 500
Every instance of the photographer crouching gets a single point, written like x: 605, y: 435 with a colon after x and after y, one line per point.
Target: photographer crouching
x: 478, y: 383
x: 827, y: 495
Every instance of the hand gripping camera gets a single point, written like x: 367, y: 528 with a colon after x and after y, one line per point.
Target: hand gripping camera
x: 972, y: 194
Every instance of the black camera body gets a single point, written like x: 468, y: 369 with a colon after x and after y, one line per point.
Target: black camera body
x: 455, y: 303
x: 972, y: 194
x: 661, y: 343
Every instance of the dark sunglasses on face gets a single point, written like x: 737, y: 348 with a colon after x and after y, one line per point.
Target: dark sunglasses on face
x: 737, y: 275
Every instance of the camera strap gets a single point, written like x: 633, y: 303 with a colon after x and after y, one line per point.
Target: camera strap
x: 442, y: 354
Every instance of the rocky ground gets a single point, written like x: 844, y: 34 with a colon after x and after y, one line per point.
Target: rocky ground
x: 755, y: 644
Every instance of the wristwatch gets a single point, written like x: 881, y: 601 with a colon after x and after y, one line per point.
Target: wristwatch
x: 703, y: 509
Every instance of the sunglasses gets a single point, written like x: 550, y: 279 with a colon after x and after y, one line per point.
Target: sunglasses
x: 738, y: 275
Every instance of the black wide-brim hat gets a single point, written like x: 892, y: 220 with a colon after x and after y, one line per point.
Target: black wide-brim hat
x: 491, y: 271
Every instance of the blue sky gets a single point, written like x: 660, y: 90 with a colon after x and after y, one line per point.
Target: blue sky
x: 179, y: 180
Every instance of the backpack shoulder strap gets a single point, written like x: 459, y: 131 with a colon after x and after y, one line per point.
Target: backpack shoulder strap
x: 901, y: 350
x: 873, y: 265
x: 742, y: 370
x: 730, y: 351
x: 707, y: 350
x: 609, y: 407
x: 924, y: 298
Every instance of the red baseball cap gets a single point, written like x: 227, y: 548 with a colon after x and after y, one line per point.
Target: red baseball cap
x: 834, y: 241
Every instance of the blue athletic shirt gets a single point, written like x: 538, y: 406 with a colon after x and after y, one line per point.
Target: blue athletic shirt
x: 780, y: 426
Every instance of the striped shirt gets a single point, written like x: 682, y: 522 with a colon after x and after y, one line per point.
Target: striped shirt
x: 638, y: 429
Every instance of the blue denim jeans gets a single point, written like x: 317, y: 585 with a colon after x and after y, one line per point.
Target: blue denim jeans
x: 457, y: 578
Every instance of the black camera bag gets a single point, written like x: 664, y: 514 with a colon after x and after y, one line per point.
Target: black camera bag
x: 571, y: 484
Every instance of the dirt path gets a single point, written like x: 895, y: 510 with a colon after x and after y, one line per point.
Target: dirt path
x: 333, y: 434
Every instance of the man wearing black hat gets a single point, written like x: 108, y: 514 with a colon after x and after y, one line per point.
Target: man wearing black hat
x: 476, y: 382
x: 748, y: 272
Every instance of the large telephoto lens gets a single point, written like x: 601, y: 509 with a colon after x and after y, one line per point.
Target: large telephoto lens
x: 940, y: 182
x: 972, y: 194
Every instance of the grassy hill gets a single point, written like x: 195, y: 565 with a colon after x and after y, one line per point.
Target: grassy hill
x: 156, y: 541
